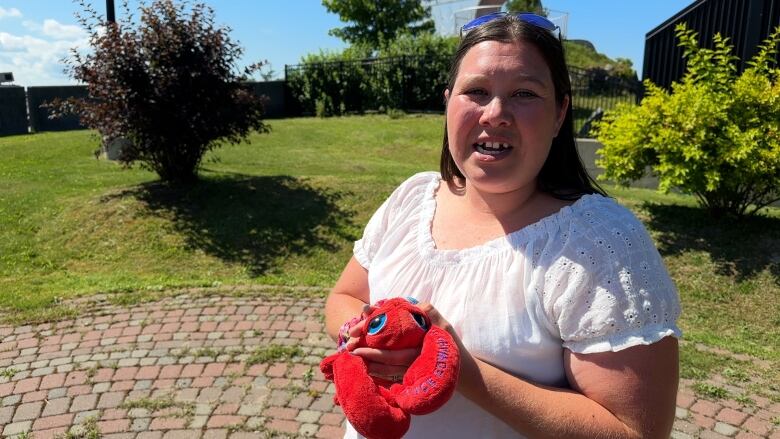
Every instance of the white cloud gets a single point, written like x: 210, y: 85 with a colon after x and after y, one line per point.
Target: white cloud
x: 36, y: 58
x: 13, y: 12
x: 31, y: 25
x: 55, y: 29
x: 37, y: 61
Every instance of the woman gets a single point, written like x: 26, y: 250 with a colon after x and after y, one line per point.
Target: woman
x: 562, y: 308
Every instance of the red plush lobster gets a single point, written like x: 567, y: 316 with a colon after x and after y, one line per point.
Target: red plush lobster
x: 377, y: 408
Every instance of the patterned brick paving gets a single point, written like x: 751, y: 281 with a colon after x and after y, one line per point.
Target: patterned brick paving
x: 187, y: 367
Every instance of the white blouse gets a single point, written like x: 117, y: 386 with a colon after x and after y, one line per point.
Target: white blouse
x: 587, y: 278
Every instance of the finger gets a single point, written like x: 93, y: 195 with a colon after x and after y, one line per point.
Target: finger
x: 399, y: 357
x: 429, y: 309
x: 385, y: 371
x: 356, y: 330
x: 352, y: 343
x: 436, y: 318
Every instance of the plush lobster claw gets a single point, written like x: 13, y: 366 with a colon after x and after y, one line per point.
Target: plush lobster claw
x: 377, y: 408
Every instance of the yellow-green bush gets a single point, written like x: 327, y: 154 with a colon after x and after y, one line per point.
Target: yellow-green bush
x: 715, y: 135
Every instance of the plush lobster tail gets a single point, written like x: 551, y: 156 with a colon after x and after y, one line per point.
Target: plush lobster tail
x: 431, y: 380
x: 368, y: 407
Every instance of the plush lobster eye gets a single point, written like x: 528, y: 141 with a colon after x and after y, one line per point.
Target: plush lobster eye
x: 420, y: 320
x: 376, y: 324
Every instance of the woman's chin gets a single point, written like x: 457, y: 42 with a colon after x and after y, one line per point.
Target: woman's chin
x: 492, y: 182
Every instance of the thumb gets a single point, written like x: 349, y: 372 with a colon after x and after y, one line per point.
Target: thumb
x: 357, y: 330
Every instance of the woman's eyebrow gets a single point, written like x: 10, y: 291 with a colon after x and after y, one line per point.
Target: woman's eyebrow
x: 522, y: 77
x: 531, y: 78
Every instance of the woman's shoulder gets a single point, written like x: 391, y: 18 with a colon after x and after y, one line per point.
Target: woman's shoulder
x: 595, y: 220
x: 416, y: 186
x: 421, y: 180
x: 599, y: 211
x: 604, y: 231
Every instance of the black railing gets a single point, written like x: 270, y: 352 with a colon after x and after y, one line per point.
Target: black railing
x: 409, y: 83
x: 415, y: 84
x: 595, y: 91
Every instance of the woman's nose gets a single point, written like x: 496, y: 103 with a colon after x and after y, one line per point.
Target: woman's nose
x: 495, y: 113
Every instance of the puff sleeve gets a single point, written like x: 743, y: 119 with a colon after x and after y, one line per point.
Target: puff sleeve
x: 607, y: 289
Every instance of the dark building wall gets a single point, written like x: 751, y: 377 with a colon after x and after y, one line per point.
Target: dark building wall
x: 39, y: 117
x: 13, y: 110
x: 275, y: 97
x: 745, y: 22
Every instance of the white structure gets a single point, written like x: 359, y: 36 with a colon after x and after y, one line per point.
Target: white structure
x: 451, y: 15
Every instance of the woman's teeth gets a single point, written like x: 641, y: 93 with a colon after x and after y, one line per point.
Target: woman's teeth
x: 491, y: 148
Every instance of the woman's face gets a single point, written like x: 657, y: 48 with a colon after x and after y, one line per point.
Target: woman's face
x: 502, y: 116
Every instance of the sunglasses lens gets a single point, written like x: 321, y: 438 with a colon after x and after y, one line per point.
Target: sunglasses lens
x: 480, y: 21
x: 538, y: 20
x: 533, y: 19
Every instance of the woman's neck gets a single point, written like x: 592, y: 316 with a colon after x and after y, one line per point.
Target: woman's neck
x: 501, y: 205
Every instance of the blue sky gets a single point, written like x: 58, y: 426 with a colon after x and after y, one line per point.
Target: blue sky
x: 36, y: 34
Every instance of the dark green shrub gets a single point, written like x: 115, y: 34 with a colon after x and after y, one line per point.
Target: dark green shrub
x: 334, y: 81
x: 410, y: 73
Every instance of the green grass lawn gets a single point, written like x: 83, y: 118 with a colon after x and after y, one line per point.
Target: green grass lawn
x: 284, y: 209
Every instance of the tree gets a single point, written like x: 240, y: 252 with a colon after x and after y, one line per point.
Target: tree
x: 534, y: 6
x: 167, y: 84
x: 378, y: 22
x: 715, y: 135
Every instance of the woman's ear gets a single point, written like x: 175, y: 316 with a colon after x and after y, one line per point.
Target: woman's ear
x: 561, y: 114
x: 446, y: 96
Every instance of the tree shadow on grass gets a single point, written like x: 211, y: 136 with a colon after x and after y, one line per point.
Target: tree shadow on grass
x: 741, y: 248
x: 251, y: 220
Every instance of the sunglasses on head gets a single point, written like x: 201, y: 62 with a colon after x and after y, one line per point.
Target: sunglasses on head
x: 525, y: 17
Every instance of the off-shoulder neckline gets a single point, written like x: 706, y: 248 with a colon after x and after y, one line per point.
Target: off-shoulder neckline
x: 514, y: 239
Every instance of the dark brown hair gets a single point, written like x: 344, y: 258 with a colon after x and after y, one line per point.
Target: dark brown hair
x: 563, y: 174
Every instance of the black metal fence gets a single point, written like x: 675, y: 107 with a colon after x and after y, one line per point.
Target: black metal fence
x: 409, y: 83
x: 595, y: 91
x: 745, y: 22
x: 416, y: 84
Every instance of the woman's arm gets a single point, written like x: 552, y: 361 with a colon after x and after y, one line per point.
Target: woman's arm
x: 347, y: 297
x: 625, y: 394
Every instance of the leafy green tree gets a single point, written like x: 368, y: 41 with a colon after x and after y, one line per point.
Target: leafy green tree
x: 534, y: 6
x: 375, y: 23
x: 715, y: 135
x: 168, y: 85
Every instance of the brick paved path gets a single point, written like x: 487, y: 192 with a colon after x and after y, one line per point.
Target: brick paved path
x: 217, y: 367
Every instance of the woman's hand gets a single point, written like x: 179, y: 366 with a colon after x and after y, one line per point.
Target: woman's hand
x: 438, y: 320
x: 390, y: 365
